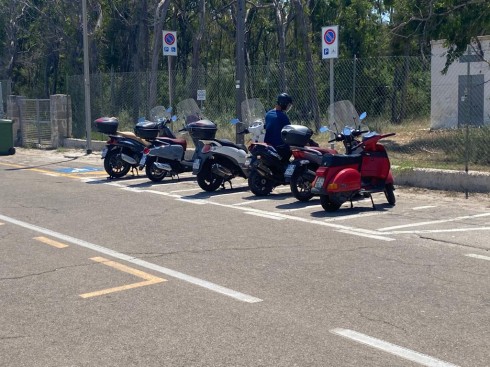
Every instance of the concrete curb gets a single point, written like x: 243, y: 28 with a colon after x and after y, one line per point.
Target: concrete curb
x: 439, y: 179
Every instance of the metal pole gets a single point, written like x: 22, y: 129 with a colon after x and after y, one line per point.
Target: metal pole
x: 354, y: 82
x: 332, y: 112
x: 467, y: 110
x: 86, y: 76
x: 170, y: 81
x: 240, y: 66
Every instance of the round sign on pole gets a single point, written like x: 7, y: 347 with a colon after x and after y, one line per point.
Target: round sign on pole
x: 169, y: 43
x: 330, y: 42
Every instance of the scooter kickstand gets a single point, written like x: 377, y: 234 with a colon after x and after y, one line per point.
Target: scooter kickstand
x: 372, y: 201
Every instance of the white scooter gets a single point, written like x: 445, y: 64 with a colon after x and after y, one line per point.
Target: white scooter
x: 221, y: 160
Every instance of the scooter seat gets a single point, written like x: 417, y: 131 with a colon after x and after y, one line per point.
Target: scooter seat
x: 176, y: 141
x: 229, y: 143
x: 130, y: 135
x: 322, y: 150
x: 341, y: 160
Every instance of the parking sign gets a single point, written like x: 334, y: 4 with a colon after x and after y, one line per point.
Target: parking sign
x: 169, y: 43
x: 330, y: 37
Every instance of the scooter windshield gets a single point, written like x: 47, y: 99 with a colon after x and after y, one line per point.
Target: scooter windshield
x: 342, y: 113
x: 253, y: 115
x: 189, y: 110
x: 159, y: 113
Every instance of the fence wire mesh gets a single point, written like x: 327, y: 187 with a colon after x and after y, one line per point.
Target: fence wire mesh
x: 400, y: 94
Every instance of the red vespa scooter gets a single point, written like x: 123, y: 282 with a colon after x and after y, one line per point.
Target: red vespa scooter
x: 364, y: 170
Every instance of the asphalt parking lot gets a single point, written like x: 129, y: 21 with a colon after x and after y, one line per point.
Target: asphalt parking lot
x: 130, y: 272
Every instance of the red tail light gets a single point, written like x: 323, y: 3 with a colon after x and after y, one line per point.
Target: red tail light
x: 321, y: 171
x: 146, y: 151
x: 111, y: 141
x: 206, y: 148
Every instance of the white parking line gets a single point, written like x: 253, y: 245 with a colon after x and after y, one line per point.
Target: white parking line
x: 435, y: 222
x: 424, y: 207
x: 394, y: 349
x: 250, y: 202
x: 145, y: 264
x: 481, y: 257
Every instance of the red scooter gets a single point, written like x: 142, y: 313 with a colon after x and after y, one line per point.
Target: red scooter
x: 364, y: 169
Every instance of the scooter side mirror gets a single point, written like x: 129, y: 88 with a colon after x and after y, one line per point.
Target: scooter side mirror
x: 346, y: 131
x: 362, y: 116
x: 324, y: 129
x: 234, y: 121
x: 174, y: 118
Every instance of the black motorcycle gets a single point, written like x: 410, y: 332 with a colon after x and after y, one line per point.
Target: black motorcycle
x: 268, y: 164
x: 124, y: 149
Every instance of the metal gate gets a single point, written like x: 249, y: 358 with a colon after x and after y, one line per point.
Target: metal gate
x: 35, y: 122
x: 471, y: 99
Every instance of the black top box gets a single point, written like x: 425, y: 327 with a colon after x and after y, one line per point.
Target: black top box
x: 202, y: 129
x: 297, y: 135
x: 146, y: 129
x: 106, y: 125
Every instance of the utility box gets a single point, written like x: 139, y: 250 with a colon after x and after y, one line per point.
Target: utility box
x: 6, y: 137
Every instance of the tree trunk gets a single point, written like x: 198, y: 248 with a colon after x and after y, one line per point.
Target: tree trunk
x: 304, y: 29
x: 160, y: 14
x: 196, y: 50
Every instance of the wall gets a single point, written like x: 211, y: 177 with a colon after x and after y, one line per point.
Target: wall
x: 444, y: 88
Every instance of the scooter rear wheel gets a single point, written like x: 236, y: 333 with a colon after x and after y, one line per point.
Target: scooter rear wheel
x: 114, y: 165
x: 301, y: 186
x: 390, y: 194
x: 329, y: 205
x: 207, y: 180
x: 259, y: 185
x: 153, y: 173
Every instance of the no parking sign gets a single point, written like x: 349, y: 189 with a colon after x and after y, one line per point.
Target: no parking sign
x: 169, y: 43
x: 330, y: 37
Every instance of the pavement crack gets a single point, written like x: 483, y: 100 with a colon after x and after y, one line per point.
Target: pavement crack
x: 44, y: 272
x: 452, y: 243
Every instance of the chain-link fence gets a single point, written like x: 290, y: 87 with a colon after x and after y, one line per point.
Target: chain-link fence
x: 401, y: 94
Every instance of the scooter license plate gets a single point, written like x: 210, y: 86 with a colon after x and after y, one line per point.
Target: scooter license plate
x: 143, y: 160
x: 103, y: 153
x: 290, y: 170
x: 248, y: 161
x: 319, y: 182
x: 196, y: 164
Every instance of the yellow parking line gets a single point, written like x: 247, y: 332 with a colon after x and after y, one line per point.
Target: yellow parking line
x: 149, y: 279
x: 50, y: 242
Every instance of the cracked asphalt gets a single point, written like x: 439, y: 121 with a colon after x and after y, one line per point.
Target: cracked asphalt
x: 248, y: 282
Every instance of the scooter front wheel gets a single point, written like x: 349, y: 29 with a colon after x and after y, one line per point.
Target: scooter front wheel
x: 207, y: 180
x: 301, y: 186
x: 259, y: 185
x: 329, y: 205
x: 390, y: 194
x: 114, y: 165
x: 153, y: 173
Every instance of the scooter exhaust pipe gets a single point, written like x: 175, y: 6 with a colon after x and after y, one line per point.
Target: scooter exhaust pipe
x: 220, y: 170
x: 128, y: 159
x: 163, y: 166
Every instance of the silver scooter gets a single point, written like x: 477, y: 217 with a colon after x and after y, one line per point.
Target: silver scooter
x: 221, y: 160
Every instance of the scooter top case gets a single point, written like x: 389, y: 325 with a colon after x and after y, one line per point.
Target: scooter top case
x: 107, y: 125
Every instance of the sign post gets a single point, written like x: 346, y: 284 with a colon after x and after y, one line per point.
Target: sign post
x: 169, y: 50
x: 330, y: 50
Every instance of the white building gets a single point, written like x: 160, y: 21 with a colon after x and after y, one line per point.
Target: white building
x: 462, y: 96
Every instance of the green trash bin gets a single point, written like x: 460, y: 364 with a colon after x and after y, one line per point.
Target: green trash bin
x: 6, y: 137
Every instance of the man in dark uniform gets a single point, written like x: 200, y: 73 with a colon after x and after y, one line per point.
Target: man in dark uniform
x: 275, y: 120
